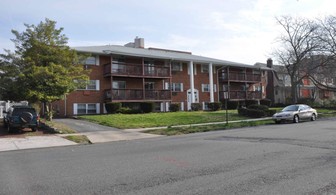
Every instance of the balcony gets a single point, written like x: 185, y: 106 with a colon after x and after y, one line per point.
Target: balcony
x: 242, y: 95
x: 239, y: 77
x: 136, y: 95
x: 136, y: 70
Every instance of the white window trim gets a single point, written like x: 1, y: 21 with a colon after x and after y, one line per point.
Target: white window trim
x: 75, y: 108
x: 173, y: 87
x: 214, y: 88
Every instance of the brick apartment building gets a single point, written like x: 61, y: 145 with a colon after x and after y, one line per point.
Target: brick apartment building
x: 132, y: 73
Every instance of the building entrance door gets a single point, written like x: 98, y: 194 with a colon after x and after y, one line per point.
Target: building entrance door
x: 189, y: 97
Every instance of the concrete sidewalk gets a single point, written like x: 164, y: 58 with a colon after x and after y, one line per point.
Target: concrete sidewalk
x: 7, y: 144
x: 96, y: 134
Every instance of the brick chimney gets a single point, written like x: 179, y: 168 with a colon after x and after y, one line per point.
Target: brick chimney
x: 269, y: 63
x: 139, y: 42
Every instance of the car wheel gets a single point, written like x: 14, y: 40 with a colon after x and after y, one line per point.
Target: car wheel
x: 296, y: 119
x: 313, y: 117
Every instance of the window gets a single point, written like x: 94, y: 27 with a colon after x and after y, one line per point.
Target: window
x: 225, y: 87
x: 206, y: 88
x: 204, y: 68
x: 177, y: 86
x: 89, y: 85
x: 119, y: 85
x: 176, y: 66
x: 205, y: 105
x: 90, y: 60
x: 149, y: 67
x: 81, y: 109
x: 90, y: 108
x: 149, y: 86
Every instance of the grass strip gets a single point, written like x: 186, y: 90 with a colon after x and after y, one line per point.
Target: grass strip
x: 80, y: 139
x: 204, y: 128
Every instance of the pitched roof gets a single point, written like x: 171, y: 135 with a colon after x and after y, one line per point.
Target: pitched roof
x: 155, y: 53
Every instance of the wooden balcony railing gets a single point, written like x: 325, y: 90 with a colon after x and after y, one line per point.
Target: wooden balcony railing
x: 248, y: 95
x: 240, y: 77
x: 123, y: 69
x: 137, y: 94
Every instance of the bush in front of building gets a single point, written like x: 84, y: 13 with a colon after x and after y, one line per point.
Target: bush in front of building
x: 174, y: 107
x: 127, y: 110
x: 258, y: 107
x: 196, y: 106
x: 231, y: 105
x: 112, y: 107
x: 253, y: 113
x: 308, y: 101
x: 256, y: 111
x: 266, y: 102
x: 250, y: 102
x: 147, y: 107
x: 214, y: 106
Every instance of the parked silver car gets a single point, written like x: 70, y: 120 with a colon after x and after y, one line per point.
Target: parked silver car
x: 295, y: 113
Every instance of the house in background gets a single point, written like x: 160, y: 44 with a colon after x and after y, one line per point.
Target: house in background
x: 278, y: 86
x: 131, y: 74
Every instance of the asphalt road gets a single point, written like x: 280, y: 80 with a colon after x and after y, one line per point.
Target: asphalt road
x: 273, y: 159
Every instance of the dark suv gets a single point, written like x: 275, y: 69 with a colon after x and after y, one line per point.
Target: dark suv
x: 19, y: 117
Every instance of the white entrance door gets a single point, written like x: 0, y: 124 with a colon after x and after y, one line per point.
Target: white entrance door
x: 189, y: 97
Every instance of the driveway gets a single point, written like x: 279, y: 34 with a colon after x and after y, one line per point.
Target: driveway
x: 98, y: 133
x: 82, y: 126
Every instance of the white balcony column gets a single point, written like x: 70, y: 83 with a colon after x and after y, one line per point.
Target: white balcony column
x: 211, y: 83
x: 192, y: 85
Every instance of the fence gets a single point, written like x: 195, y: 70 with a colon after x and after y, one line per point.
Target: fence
x: 4, y: 106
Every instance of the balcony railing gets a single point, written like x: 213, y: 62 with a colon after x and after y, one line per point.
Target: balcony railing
x: 249, y: 95
x: 123, y: 69
x: 137, y: 94
x: 240, y: 77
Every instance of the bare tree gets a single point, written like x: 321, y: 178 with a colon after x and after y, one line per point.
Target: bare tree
x: 324, y: 77
x: 299, y: 43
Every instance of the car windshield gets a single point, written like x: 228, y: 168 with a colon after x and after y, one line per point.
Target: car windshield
x: 21, y: 110
x: 291, y: 108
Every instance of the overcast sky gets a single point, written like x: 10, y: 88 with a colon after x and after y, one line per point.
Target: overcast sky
x: 236, y: 30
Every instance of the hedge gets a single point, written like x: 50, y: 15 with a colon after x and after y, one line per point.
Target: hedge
x: 214, y: 106
x: 196, y: 106
x: 266, y: 102
x: 112, y: 107
x: 147, y: 107
x: 174, y: 107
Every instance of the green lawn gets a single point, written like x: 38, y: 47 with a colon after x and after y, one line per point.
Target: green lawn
x: 128, y: 121
x: 169, y: 119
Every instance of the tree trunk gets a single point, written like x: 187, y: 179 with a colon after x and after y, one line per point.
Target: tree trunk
x: 49, y: 111
x: 294, y: 92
